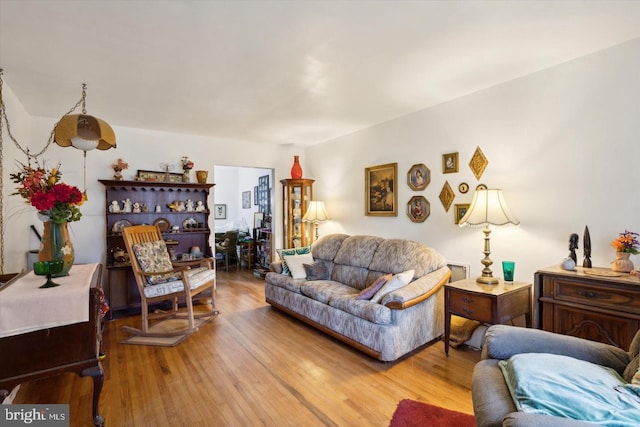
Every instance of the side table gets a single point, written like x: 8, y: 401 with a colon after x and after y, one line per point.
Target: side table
x: 485, y: 303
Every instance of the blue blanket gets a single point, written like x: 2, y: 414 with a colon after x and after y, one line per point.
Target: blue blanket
x: 562, y: 386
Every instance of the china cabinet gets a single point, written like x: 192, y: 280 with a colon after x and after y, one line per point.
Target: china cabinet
x: 296, y: 195
x: 180, y: 210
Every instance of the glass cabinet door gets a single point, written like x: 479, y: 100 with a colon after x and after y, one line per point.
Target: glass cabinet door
x: 296, y: 195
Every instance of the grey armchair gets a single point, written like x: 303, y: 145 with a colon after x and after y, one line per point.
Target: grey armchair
x: 492, y: 403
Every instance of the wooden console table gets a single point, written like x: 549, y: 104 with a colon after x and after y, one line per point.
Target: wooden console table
x: 604, y: 308
x: 50, y: 351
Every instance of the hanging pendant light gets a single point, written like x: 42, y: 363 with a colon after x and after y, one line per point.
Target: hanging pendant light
x: 83, y: 131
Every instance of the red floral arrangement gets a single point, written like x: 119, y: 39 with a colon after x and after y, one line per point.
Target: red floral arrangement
x: 43, y: 190
x: 186, y: 163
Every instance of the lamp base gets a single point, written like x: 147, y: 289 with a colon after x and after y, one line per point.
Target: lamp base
x: 487, y: 280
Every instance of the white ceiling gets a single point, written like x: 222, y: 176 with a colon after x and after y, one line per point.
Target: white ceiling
x: 298, y: 72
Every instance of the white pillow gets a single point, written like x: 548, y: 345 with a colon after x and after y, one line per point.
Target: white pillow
x: 396, y: 282
x: 295, y: 264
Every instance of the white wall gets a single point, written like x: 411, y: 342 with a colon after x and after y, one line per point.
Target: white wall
x: 140, y: 148
x: 562, y: 143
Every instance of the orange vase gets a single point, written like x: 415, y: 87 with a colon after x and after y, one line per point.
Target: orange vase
x: 296, y: 169
x: 622, y: 263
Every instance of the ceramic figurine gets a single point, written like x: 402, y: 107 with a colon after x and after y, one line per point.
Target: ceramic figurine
x: 127, y: 205
x: 189, y: 206
x: 199, y: 206
x: 136, y: 207
x: 568, y: 264
x: 158, y: 208
x: 180, y: 206
x: 115, y: 207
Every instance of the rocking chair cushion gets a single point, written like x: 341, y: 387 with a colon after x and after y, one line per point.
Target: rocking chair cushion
x: 197, y: 277
x: 153, y: 257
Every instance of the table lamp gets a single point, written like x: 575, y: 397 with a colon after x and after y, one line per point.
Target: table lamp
x: 487, y: 207
x: 316, y: 213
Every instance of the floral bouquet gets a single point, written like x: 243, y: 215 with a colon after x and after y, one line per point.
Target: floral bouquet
x: 43, y: 190
x: 120, y: 165
x: 187, y: 164
x: 627, y: 242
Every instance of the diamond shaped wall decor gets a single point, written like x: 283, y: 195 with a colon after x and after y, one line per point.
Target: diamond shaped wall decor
x: 478, y: 163
x: 446, y: 196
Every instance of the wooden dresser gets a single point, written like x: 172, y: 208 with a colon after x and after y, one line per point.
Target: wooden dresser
x: 50, y: 351
x: 603, y: 308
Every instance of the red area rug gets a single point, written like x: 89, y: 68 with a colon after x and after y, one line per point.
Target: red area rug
x: 417, y: 414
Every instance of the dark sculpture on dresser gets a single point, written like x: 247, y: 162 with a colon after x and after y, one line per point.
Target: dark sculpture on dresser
x: 587, y: 248
x: 573, y: 245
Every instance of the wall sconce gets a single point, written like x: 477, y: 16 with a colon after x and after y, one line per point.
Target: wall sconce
x: 316, y: 213
x: 487, y: 207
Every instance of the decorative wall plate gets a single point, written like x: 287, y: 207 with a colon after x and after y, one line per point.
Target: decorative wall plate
x: 189, y: 223
x: 119, y: 225
x: 446, y: 196
x: 162, y: 223
x: 478, y: 163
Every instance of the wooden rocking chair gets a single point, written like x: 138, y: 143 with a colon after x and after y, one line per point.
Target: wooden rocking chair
x: 159, y: 280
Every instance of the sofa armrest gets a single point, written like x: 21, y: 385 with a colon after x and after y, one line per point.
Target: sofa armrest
x: 276, y: 267
x: 503, y: 341
x: 418, y: 290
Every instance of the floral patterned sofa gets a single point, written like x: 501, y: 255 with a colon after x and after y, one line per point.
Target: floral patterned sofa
x: 401, y: 321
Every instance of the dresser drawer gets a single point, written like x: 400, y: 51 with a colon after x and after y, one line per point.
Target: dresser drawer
x: 471, y: 306
x: 619, y: 299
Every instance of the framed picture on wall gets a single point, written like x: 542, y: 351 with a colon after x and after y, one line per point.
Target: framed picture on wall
x: 255, y: 195
x: 460, y: 211
x: 157, y: 176
x: 418, y: 209
x: 380, y: 191
x: 220, y: 212
x: 418, y: 177
x: 450, y: 162
x: 258, y: 217
x: 246, y: 199
x: 264, y: 195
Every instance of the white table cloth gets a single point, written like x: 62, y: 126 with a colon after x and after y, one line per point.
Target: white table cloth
x: 25, y: 307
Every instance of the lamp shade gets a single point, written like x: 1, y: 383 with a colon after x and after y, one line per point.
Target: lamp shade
x: 488, y: 207
x: 84, y: 132
x: 316, y: 213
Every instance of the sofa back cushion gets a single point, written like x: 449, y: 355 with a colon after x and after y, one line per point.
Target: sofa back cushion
x: 351, y: 264
x: 325, y: 249
x: 398, y: 255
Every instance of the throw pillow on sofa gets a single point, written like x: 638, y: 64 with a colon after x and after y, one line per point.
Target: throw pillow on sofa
x: 292, y: 251
x: 316, y: 271
x: 296, y: 264
x: 370, y: 291
x: 396, y: 282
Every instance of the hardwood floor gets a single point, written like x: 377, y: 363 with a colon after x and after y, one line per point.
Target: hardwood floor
x: 255, y: 366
